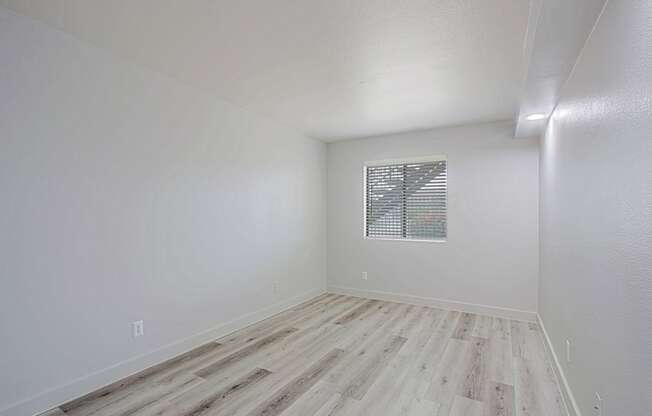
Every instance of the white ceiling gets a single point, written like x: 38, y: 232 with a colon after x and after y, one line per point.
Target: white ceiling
x: 558, y: 31
x: 333, y: 69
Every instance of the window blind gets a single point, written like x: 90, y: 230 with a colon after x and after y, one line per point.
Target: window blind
x: 406, y: 200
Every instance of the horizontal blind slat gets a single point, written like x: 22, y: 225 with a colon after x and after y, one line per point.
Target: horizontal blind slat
x: 406, y: 200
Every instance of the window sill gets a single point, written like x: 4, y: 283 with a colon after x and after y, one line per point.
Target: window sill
x: 408, y: 240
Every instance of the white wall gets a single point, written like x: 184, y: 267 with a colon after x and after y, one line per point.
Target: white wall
x: 126, y: 196
x: 491, y: 257
x: 596, y: 216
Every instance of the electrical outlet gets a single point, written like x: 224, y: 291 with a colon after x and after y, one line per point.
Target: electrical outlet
x: 568, y: 351
x: 139, y: 328
x: 598, y: 406
x: 364, y: 275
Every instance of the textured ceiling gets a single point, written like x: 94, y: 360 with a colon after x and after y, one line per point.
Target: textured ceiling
x: 333, y: 69
x: 562, y: 28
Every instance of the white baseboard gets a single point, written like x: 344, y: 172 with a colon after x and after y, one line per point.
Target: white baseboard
x: 57, y: 396
x: 438, y: 303
x: 566, y: 391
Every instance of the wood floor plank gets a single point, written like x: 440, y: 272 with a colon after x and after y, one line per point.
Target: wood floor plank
x: 357, y: 312
x: 465, y: 326
x: 245, y: 352
x: 265, y: 390
x: 161, y: 408
x: 365, y: 336
x: 322, y: 311
x: 291, y: 352
x: 501, y: 329
x: 473, y: 379
x: 354, y: 360
x: 313, y: 400
x: 296, y: 343
x: 211, y: 401
x: 328, y: 408
x: 405, y: 396
x: 328, y: 314
x: 357, y: 386
x: 535, y: 394
x: 338, y: 355
x: 310, y: 302
x: 139, y: 395
x: 321, y: 299
x: 501, y: 363
x: 527, y: 343
x: 518, y: 332
x: 463, y: 406
x: 500, y: 400
x: 325, y: 340
x: 283, y: 398
x: 224, y: 370
x: 313, y: 305
x: 411, y: 325
x: 53, y: 412
x: 361, y: 333
x: 448, y: 373
x: 388, y: 388
x: 426, y: 328
x: 263, y: 328
x: 341, y: 406
x: 327, y: 304
x: 429, y: 358
x: 423, y: 407
x: 483, y: 327
x: 141, y: 401
x: 105, y: 394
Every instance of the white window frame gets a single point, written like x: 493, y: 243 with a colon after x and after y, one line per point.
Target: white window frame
x: 419, y: 159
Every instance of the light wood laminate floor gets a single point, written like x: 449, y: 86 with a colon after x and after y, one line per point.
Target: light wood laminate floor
x: 341, y: 355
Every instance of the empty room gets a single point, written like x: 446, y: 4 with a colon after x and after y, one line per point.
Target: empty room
x: 326, y: 207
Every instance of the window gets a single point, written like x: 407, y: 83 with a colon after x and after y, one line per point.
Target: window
x: 406, y: 199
